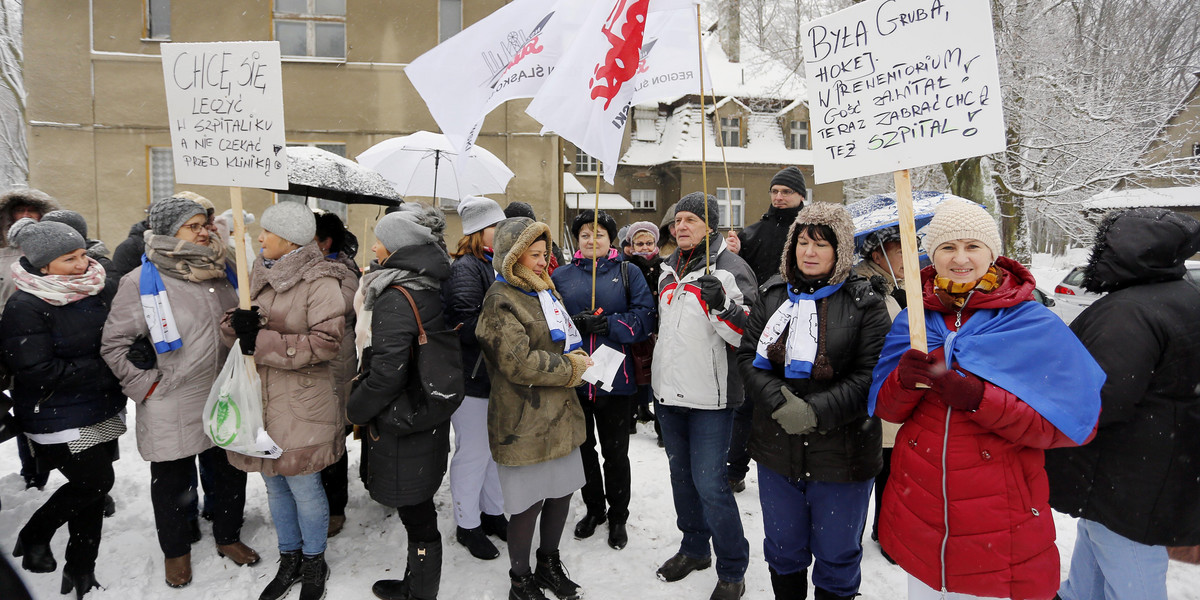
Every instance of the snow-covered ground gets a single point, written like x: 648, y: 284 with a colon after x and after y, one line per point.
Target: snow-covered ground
x: 373, y: 544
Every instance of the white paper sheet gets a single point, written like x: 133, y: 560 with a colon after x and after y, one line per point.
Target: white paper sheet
x: 605, y: 370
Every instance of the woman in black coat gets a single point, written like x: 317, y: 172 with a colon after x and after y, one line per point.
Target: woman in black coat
x: 406, y: 466
x: 67, y: 401
x: 806, y: 359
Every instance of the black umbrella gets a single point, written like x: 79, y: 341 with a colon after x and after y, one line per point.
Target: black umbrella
x: 317, y: 173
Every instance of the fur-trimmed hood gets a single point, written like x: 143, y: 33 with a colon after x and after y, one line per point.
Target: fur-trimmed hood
x: 838, y: 219
x: 1141, y: 245
x: 36, y: 198
x: 512, y: 238
x: 305, y: 264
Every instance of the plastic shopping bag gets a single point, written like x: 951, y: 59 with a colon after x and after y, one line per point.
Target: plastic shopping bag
x: 233, y: 415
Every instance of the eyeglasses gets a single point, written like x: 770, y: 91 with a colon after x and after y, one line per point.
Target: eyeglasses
x: 194, y: 227
x: 783, y: 192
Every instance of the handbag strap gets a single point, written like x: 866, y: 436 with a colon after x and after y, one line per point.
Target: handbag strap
x: 421, y: 339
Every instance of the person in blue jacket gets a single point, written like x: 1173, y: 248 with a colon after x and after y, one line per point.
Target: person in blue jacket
x: 623, y: 314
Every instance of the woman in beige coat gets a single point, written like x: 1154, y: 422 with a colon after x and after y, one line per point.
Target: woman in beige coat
x: 171, y: 378
x: 293, y: 331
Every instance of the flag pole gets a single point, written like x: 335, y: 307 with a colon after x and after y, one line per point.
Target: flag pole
x: 703, y: 155
x: 912, y: 267
x: 243, y: 273
x: 595, y: 221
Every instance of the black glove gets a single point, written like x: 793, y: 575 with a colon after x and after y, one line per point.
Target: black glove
x: 582, y: 322
x: 142, y: 354
x: 246, y: 324
x: 598, y: 324
x: 712, y: 292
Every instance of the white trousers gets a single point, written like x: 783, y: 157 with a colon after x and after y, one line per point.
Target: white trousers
x: 920, y: 591
x: 474, y: 484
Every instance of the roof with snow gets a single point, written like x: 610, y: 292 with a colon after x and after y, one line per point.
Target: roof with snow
x: 756, y: 76
x: 1143, y: 197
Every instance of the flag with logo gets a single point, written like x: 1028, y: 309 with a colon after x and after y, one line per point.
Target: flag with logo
x: 506, y: 55
x: 588, y: 97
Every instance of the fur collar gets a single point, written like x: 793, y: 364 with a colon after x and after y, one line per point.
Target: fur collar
x: 306, y: 264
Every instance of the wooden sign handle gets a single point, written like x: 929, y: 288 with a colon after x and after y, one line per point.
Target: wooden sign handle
x: 239, y: 239
x: 912, y: 264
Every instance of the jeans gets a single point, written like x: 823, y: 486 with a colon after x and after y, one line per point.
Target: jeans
x: 815, y: 520
x: 697, y: 443
x: 607, y: 418
x: 173, y: 498
x: 1108, y: 566
x: 739, y: 451
x: 300, y: 512
x: 474, y: 482
x: 78, y: 503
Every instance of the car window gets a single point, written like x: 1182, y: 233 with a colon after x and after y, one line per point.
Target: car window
x: 1075, y: 277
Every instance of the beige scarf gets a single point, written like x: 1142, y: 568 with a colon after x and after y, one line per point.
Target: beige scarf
x: 186, y: 260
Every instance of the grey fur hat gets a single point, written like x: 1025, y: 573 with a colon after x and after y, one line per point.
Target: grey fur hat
x: 44, y: 242
x: 169, y: 214
x: 292, y: 221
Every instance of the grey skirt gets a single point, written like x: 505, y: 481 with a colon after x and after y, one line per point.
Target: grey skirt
x: 524, y: 486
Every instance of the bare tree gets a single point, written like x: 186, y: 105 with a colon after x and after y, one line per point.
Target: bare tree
x: 14, y: 155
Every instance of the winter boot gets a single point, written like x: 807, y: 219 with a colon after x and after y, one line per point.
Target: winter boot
x: 524, y: 587
x: 36, y: 558
x: 424, y: 573
x: 551, y: 575
x: 820, y: 594
x: 288, y: 575
x: 793, y: 586
x: 313, y: 573
x: 82, y: 583
x: 496, y: 525
x: 477, y: 543
x: 728, y: 590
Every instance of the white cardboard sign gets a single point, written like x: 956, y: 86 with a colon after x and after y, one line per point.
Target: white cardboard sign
x: 225, y: 104
x: 895, y: 84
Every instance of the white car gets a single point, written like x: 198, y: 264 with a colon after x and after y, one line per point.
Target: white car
x: 1071, y: 299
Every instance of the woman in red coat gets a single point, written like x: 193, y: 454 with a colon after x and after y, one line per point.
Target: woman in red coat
x: 966, y: 510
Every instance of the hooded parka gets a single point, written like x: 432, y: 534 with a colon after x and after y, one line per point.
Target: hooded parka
x: 9, y: 254
x: 1139, y: 476
x: 846, y: 446
x: 533, y: 414
x: 301, y: 300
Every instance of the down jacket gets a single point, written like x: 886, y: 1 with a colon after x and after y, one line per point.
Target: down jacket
x: 1000, y: 542
x: 533, y: 414
x: 630, y: 314
x: 1139, y: 476
x: 694, y: 363
x: 169, y: 421
x: 300, y: 299
x: 53, y: 352
x: 760, y: 241
x: 404, y: 469
x: 470, y: 278
x: 846, y: 446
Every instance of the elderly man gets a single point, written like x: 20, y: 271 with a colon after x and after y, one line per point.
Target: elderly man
x: 704, y: 294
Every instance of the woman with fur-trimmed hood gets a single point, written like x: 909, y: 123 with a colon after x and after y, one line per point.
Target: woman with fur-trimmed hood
x: 13, y: 206
x: 806, y: 358
x: 535, y: 424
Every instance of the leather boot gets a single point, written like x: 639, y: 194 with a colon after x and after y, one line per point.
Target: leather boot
x: 820, y: 594
x: 178, y: 570
x: 239, y: 553
x: 551, y: 575
x: 728, y: 590
x: 36, y: 558
x: 587, y: 525
x: 524, y: 587
x: 424, y: 573
x: 285, y: 578
x: 477, y: 543
x: 336, y: 523
x: 793, y: 586
x: 496, y: 525
x: 313, y: 573
x: 82, y: 583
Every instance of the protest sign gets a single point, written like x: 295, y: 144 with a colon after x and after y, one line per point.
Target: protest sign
x: 225, y: 105
x: 895, y: 84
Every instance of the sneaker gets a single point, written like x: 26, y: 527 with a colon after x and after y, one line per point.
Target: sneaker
x: 679, y: 566
x: 477, y: 543
x: 550, y: 574
x: 728, y: 590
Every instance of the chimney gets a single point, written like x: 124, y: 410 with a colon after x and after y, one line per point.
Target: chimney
x: 731, y: 29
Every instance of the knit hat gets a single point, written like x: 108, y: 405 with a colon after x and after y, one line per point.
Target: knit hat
x: 585, y: 217
x: 793, y: 178
x: 292, y: 221
x: 642, y: 227
x: 876, y: 239
x: 961, y: 220
x: 169, y: 214
x: 205, y: 203
x: 694, y: 203
x: 425, y: 215
x: 70, y: 217
x: 401, y: 230
x: 479, y: 213
x: 519, y: 209
x: 44, y: 242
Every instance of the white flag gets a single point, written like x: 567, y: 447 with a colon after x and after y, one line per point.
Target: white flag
x: 506, y: 55
x: 587, y: 98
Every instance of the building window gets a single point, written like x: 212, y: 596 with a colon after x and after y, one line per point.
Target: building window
x: 731, y: 131
x: 725, y: 196
x: 584, y: 163
x: 158, y: 19
x: 449, y: 19
x: 798, y: 135
x: 162, y: 173
x: 311, y: 28
x: 644, y: 199
x: 338, y: 208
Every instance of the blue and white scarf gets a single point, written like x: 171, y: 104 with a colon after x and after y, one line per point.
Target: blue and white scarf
x: 562, y: 329
x: 799, y: 316
x: 156, y: 308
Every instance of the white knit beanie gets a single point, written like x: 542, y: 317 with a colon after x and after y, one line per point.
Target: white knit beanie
x: 961, y: 220
x: 479, y: 213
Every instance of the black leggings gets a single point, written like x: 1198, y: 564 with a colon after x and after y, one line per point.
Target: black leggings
x: 520, y: 530
x: 420, y: 522
x: 79, y: 503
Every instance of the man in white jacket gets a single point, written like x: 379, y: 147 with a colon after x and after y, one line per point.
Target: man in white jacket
x: 704, y: 297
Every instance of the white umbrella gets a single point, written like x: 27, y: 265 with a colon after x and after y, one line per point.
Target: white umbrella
x: 426, y: 164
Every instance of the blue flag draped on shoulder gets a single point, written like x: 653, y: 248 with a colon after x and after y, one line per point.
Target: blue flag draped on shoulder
x: 1024, y: 349
x: 156, y: 308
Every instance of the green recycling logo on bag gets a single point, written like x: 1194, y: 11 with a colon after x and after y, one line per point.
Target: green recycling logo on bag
x: 224, y: 421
